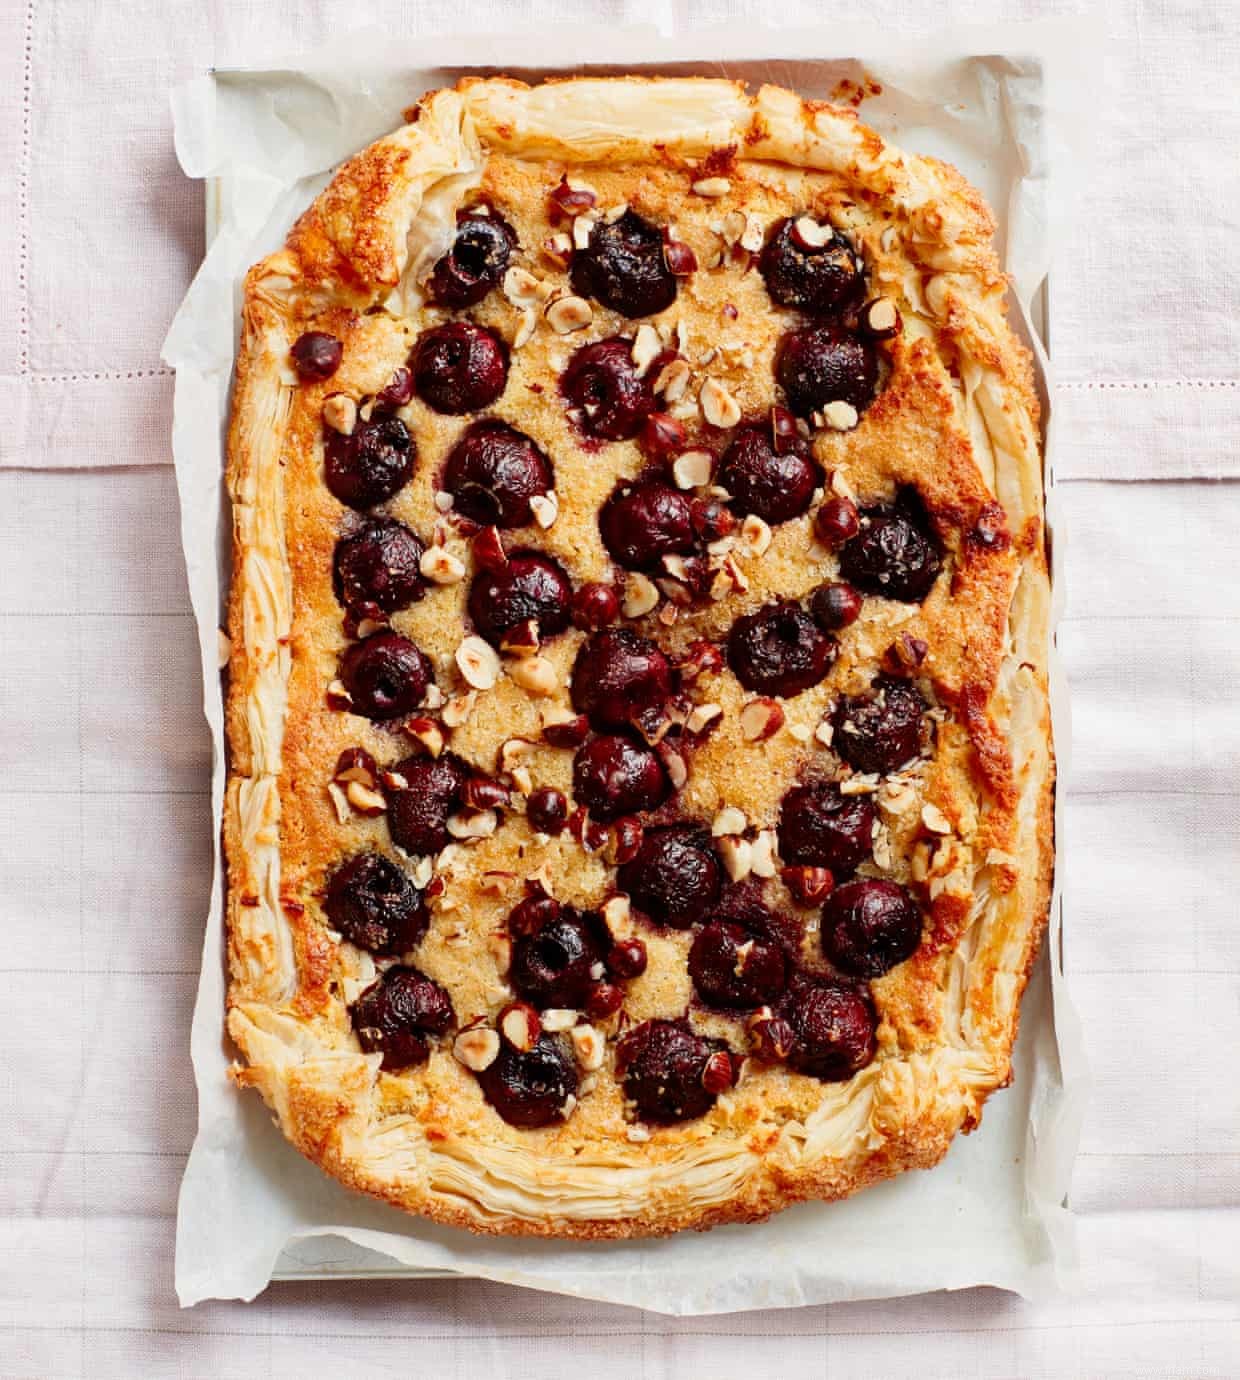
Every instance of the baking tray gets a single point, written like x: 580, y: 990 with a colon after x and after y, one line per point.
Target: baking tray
x: 324, y: 1258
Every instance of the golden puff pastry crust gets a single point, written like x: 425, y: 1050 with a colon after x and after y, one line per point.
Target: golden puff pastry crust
x: 682, y: 1085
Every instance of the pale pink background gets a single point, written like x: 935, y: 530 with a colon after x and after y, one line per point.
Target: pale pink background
x: 104, y: 830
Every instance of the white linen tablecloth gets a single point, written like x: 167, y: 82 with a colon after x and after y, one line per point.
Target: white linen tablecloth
x: 104, y: 819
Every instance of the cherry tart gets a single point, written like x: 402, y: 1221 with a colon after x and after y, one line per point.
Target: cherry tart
x: 639, y: 803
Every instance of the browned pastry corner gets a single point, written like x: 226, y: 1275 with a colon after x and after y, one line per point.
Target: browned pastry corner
x: 639, y: 810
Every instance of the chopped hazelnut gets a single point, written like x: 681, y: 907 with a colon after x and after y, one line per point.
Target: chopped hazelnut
x: 737, y: 857
x: 762, y: 854
x: 477, y: 1049
x: 755, y: 536
x: 701, y: 716
x: 646, y: 348
x: 719, y: 407
x: 340, y: 413
x: 568, y: 314
x: 673, y: 380
x: 534, y: 674
x: 840, y: 416
x: 339, y: 801
x: 364, y: 799
x: 546, y: 508
x: 712, y: 187
x: 761, y: 719
x: 472, y: 824
x: 441, y: 567
x: 692, y: 468
x: 589, y: 1047
x: 520, y: 1026
x: 459, y: 708
x: 640, y: 596
x: 478, y: 662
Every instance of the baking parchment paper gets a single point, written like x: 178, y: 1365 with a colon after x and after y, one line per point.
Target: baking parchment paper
x: 1005, y: 107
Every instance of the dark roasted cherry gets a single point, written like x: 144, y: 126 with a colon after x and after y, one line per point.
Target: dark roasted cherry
x: 675, y: 878
x: 530, y: 1088
x: 379, y: 564
x: 371, y: 465
x: 894, y: 554
x: 316, y: 356
x: 835, y: 605
x: 664, y: 1069
x: 882, y: 729
x: 605, y: 1000
x: 386, y: 675
x: 818, y: 365
x: 618, y: 676
x: 418, y: 811
x: 712, y: 519
x: 595, y: 606
x: 662, y: 436
x: 530, y: 588
x: 459, y: 367
x: 558, y: 964
x: 821, y: 827
x: 732, y: 965
x: 375, y: 905
x: 869, y: 925
x: 779, y: 650
x: 812, y: 277
x: 476, y: 262
x: 614, y: 776
x: 627, y: 958
x: 492, y: 473
x: 530, y: 915
x: 837, y: 521
x: 547, y: 810
x: 400, y: 1014
x: 833, y: 1028
x: 601, y: 381
x: 776, y: 486
x: 642, y: 523
x: 397, y: 391
x: 623, y: 267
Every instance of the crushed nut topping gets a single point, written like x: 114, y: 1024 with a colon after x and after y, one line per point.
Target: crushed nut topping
x: 340, y: 413
x: 568, y: 314
x: 755, y: 536
x: 478, y: 662
x: 812, y: 234
x: 640, y: 596
x: 673, y: 380
x: 737, y: 855
x: 719, y: 407
x: 441, y: 567
x: 534, y: 674
x: 546, y: 508
x: 692, y: 469
x: 477, y: 1049
x: 646, y: 348
x: 761, y: 719
x: 840, y: 416
x: 712, y: 187
x: 472, y: 824
x: 589, y: 1047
